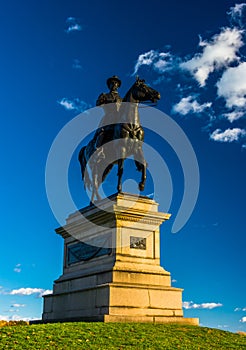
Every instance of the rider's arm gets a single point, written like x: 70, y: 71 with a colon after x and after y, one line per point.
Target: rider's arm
x: 101, y: 100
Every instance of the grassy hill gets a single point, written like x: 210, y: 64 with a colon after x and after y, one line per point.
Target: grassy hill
x: 119, y: 336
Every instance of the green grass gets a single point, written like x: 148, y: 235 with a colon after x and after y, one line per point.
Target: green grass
x: 134, y: 336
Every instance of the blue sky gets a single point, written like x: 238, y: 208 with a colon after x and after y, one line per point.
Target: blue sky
x: 56, y: 57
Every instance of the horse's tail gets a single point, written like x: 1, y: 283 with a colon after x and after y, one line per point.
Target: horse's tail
x: 83, y: 163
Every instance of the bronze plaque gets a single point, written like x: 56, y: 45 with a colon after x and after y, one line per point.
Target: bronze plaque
x: 137, y: 242
x: 83, y: 252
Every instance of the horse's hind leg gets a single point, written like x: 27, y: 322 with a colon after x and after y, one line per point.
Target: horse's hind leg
x: 120, y: 173
x: 141, y: 166
x: 106, y: 171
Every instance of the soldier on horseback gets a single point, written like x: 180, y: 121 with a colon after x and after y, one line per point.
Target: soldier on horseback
x: 120, y: 124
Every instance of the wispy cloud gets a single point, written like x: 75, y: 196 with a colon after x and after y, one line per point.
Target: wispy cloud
x: 73, y: 25
x: 190, y: 105
x: 240, y: 309
x: 75, y: 104
x: 76, y: 64
x: 237, y: 12
x: 18, y: 305
x: 191, y: 305
x: 223, y: 326
x: 159, y: 61
x: 17, y: 268
x: 243, y: 319
x: 30, y: 291
x: 228, y: 135
x: 221, y: 50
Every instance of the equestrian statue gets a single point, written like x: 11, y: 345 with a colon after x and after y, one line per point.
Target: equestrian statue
x: 119, y: 135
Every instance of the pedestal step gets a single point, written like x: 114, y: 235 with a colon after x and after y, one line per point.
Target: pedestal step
x: 116, y: 300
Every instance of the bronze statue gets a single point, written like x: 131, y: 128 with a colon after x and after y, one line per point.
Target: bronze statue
x: 120, y: 125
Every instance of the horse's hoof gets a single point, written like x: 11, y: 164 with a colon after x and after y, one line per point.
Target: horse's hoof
x: 141, y: 186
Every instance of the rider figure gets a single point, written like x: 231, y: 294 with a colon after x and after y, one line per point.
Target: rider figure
x: 111, y: 103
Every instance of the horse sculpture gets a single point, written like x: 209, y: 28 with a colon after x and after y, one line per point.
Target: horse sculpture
x: 125, y: 139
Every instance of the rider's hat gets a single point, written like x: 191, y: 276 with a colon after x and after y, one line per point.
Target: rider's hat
x: 113, y: 78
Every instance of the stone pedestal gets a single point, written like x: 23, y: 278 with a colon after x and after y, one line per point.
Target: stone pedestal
x: 112, y: 269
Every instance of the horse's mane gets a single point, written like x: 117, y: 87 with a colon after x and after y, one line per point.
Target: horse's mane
x: 127, y: 95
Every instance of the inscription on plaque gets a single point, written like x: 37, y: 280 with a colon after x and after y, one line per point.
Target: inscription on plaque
x: 83, y: 252
x: 137, y: 242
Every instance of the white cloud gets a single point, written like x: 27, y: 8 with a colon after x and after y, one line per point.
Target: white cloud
x: 219, y: 57
x: 191, y: 305
x: 218, y: 52
x: 229, y: 135
x: 243, y: 319
x: 234, y: 115
x: 190, y: 105
x: 17, y: 268
x: 67, y: 104
x: 15, y: 318
x: 174, y: 281
x: 160, y: 61
x: 75, y: 104
x: 223, y: 326
x: 236, y: 13
x: 46, y: 292
x: 73, y: 25
x: 232, y: 86
x: 30, y: 291
x: 237, y: 309
x: 144, y: 59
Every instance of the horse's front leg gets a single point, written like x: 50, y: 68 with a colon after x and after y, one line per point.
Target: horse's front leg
x: 141, y: 166
x: 120, y: 173
x: 141, y: 185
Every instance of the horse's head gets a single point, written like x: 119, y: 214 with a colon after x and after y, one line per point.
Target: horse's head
x: 142, y: 92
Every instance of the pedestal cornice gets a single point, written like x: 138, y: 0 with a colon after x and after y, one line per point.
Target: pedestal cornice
x: 114, y: 212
